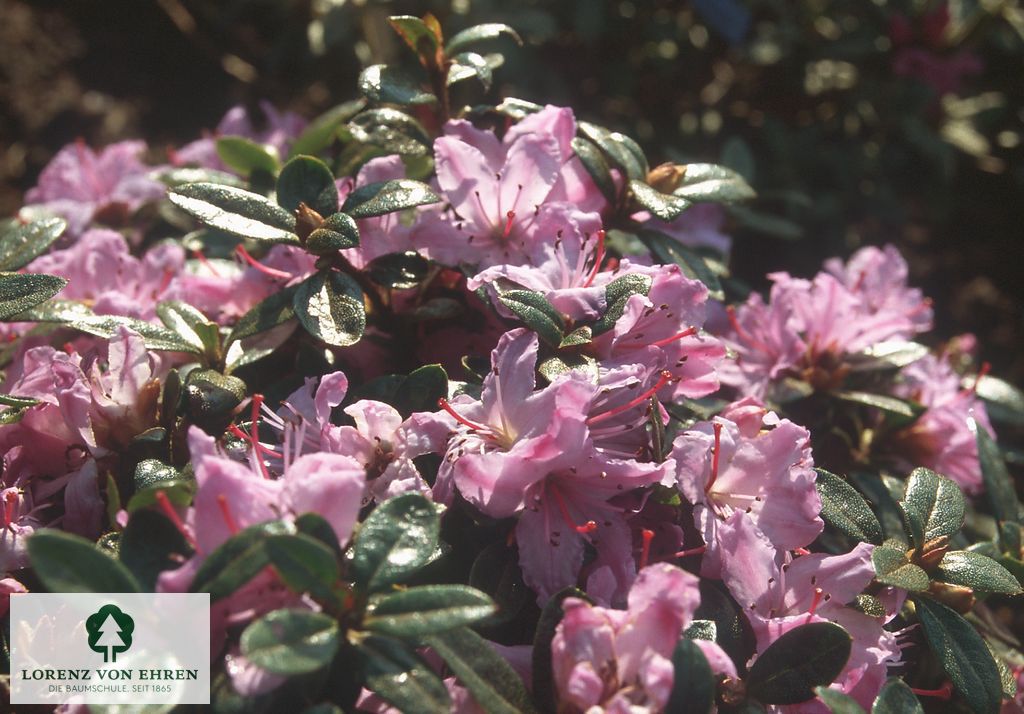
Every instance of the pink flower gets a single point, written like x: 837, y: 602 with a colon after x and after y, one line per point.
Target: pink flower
x: 84, y: 186
x: 699, y: 226
x: 276, y: 129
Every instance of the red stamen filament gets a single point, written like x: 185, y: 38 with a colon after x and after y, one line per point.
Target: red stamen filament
x: 645, y: 550
x: 272, y: 272
x: 69, y: 348
x: 692, y: 551
x: 10, y: 503
x: 168, y: 510
x: 945, y: 692
x: 509, y: 217
x: 598, y: 259
x: 225, y: 512
x: 443, y: 403
x: 165, y: 281
x: 233, y: 428
x: 588, y: 527
x: 715, y: 452
x: 666, y: 340
x: 198, y: 255
x: 663, y: 379
x: 801, y: 551
x: 254, y: 430
x: 742, y: 333
x: 815, y: 601
x: 985, y: 367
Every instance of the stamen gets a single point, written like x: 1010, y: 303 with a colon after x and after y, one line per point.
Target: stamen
x: 985, y: 367
x: 645, y: 551
x: 742, y: 333
x: 272, y: 272
x: 233, y: 428
x: 588, y: 527
x: 204, y: 261
x: 815, y: 601
x: 225, y: 512
x: 715, y: 453
x: 172, y: 515
x: 443, y: 403
x: 254, y: 430
x: 598, y: 259
x: 801, y: 551
x: 692, y: 551
x: 664, y: 378
x: 10, y: 503
x: 165, y: 280
x: 945, y: 692
x: 509, y: 217
x: 665, y: 341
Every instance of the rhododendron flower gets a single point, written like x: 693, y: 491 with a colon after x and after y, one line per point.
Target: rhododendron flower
x: 699, y: 226
x: 759, y: 468
x: 619, y: 661
x: 83, y: 186
x: 276, y: 130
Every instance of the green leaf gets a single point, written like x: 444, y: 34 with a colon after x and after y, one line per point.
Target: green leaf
x: 190, y: 174
x: 232, y: 210
x: 336, y: 233
x: 963, y: 655
x: 489, y: 678
x: 10, y: 400
x: 151, y: 476
x: 402, y: 678
x: 386, y: 84
x: 322, y: 131
x: 67, y: 563
x: 330, y: 306
x: 623, y: 151
x: 246, y: 156
x: 397, y: 539
x: 663, y: 205
x: 153, y: 336
x: 392, y: 130
x: 211, y: 398
x: 702, y: 630
x: 999, y: 488
x: 891, y: 354
x: 425, y: 610
x: 669, y: 250
x: 892, y: 567
x: 308, y: 180
x: 895, y: 697
x: 1003, y: 401
x: 316, y: 526
x: 291, y: 641
x: 596, y: 165
x: 149, y: 545
x: 805, y: 657
x: 21, y: 291
x: 268, y: 313
x: 305, y: 564
x: 399, y: 271
x: 578, y: 337
x: 191, y: 325
x: 843, y: 508
x: 550, y: 616
x: 536, y: 313
x: 470, y: 65
x: 713, y: 183
x: 26, y: 241
x: 237, y: 560
x: 378, y: 199
x: 420, y: 38
x: 693, y: 685
x: 496, y: 572
x: 420, y: 390
x: 837, y: 702
x: 977, y: 572
x: 904, y: 411
x: 481, y: 33
x: 933, y: 503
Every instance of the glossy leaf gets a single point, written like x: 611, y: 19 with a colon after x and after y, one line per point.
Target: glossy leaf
x: 236, y: 561
x: 470, y: 65
x: 668, y: 250
x: 496, y: 572
x: 149, y: 545
x: 977, y: 572
x: 21, y: 244
x: 421, y: 38
x: 190, y: 324
x: 291, y: 641
x: 665, y: 206
x: 713, y: 183
x: 596, y: 165
x: 791, y: 667
x: 933, y: 503
x: 386, y: 84
x: 892, y: 567
x: 904, y: 412
x: 330, y: 306
x: 420, y: 390
x: 399, y: 271
x: 401, y: 678
x: 378, y: 199
x: 336, y: 233
x: 693, y: 685
x: 837, y: 702
x: 426, y: 610
x: 308, y: 180
x: 397, y: 539
x: 481, y: 33
x: 843, y: 508
x: 316, y: 526
x: 891, y: 354
x: 623, y: 151
x: 211, y: 398
x: 232, y: 210
x: 68, y: 563
x: 999, y: 488
x: 304, y: 564
x: 21, y: 291
x: 536, y: 313
x: 246, y: 156
x: 963, y: 654
x: 266, y: 314
x: 895, y: 697
x: 392, y: 130
x: 322, y: 131
x: 478, y: 667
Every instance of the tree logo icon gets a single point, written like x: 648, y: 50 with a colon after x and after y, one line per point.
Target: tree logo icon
x: 110, y: 631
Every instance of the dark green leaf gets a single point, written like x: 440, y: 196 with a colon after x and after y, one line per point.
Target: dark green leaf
x: 702, y: 630
x: 550, y: 616
x: 596, y: 165
x: 399, y: 271
x: 554, y: 367
x: 377, y: 199
x: 191, y: 325
x: 420, y: 391
x: 25, y: 241
x: 151, y: 476
x: 669, y: 250
x: 480, y: 33
x: 713, y: 183
x: 291, y: 642
x: 385, y: 84
x: 843, y: 508
x: 805, y: 657
x: 237, y: 560
x: 308, y: 180
x: 151, y: 544
x: 211, y: 398
x: 179, y: 176
x: 895, y: 697
x: 246, y: 156
x: 401, y: 678
x: 933, y: 503
x: 963, y: 655
x: 693, y: 685
x: 664, y: 206
x: 330, y: 306
x: 904, y: 412
x: 420, y: 38
x: 977, y: 572
x: 397, y: 539
x: 496, y: 572
x: 627, y: 286
x: 536, y: 313
x: 424, y: 610
x: 622, y: 150
x: 324, y: 129
x: 21, y: 291
x: 392, y: 130
x: 232, y: 210
x: 1003, y: 401
x: 10, y: 400
x: 837, y: 702
x: 316, y: 526
x: 67, y: 563
x: 892, y: 567
x: 489, y: 678
x: 338, y: 232
x: 580, y: 336
x: 305, y: 564
x: 153, y: 336
x: 517, y: 109
x: 268, y: 313
x: 891, y: 354
x: 469, y: 65
x: 999, y: 489
x: 882, y: 502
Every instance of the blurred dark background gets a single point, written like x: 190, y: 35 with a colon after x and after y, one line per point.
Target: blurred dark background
x: 858, y: 121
